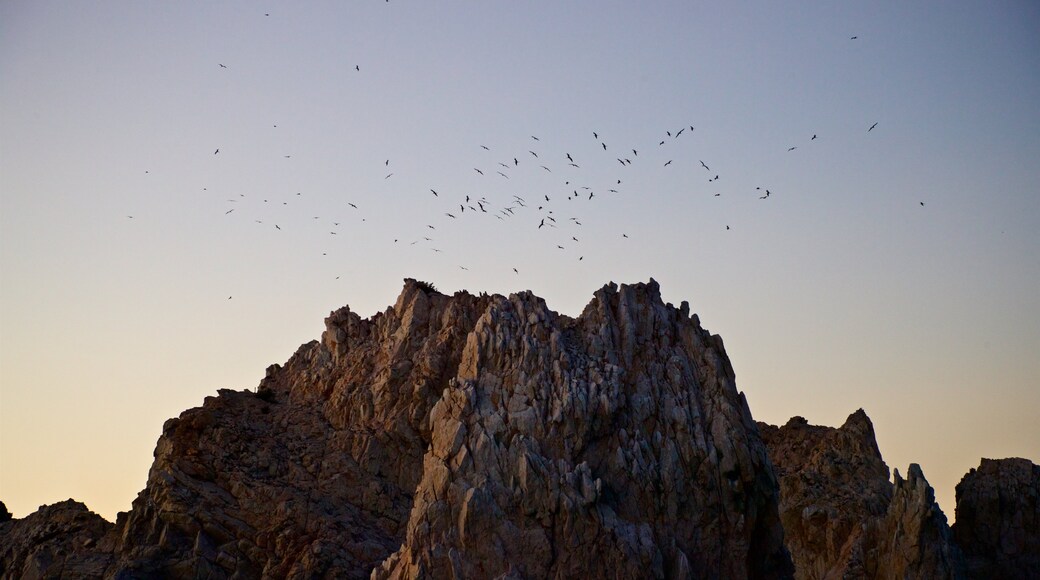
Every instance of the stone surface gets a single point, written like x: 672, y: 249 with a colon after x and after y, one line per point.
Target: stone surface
x: 998, y: 519
x: 843, y: 518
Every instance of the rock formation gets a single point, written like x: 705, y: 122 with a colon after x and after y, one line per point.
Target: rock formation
x: 843, y: 518
x: 490, y: 437
x: 998, y: 519
x: 479, y: 436
x: 56, y: 541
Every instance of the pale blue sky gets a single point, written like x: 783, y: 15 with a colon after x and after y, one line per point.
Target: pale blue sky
x: 840, y: 291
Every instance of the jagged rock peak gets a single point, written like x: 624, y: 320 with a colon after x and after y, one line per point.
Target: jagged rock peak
x: 843, y: 518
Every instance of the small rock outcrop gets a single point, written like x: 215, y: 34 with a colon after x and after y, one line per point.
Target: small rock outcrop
x: 57, y: 541
x: 998, y: 519
x: 474, y: 436
x: 843, y: 518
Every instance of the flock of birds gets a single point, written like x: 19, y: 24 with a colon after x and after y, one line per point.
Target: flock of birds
x: 554, y: 207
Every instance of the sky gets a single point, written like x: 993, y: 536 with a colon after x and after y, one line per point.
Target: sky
x: 141, y: 270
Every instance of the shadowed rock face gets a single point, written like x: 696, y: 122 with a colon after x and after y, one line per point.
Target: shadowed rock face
x: 59, y: 540
x: 479, y: 436
x: 998, y: 519
x: 843, y: 518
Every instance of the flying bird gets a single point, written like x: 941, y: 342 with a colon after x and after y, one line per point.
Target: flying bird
x: 871, y: 128
x: 222, y: 66
x: 478, y: 171
x: 485, y: 148
x: 217, y: 151
x: 351, y: 205
x: 703, y: 165
x: 388, y: 176
x: 434, y: 193
x: 813, y: 137
x: 535, y: 138
x: 515, y: 270
x: 853, y: 38
x: 668, y: 163
x: 449, y: 215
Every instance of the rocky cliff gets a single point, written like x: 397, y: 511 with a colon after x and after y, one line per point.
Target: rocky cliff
x: 843, y: 518
x: 474, y: 436
x: 998, y: 519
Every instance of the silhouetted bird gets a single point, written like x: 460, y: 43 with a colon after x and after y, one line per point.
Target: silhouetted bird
x: 871, y: 128
x: 217, y: 151
x: 791, y: 148
x: 478, y: 171
x: 813, y: 137
x: 222, y: 66
x: 668, y: 163
x: 703, y: 165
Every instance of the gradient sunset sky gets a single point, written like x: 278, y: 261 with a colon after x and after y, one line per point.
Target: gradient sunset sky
x: 839, y: 291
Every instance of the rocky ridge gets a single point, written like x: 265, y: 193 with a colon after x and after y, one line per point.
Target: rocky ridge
x: 488, y: 436
x: 479, y: 436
